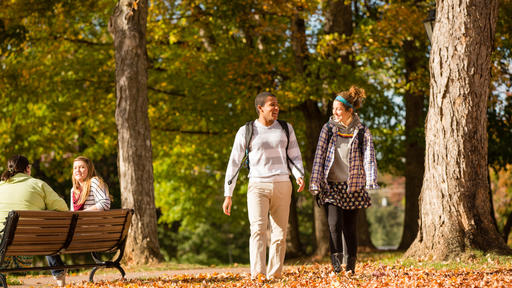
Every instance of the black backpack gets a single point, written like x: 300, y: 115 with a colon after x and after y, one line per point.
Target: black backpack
x: 248, y: 137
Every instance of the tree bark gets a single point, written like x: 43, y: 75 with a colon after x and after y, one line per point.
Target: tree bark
x: 128, y: 28
x: 454, y: 202
x: 414, y: 99
x: 314, y: 125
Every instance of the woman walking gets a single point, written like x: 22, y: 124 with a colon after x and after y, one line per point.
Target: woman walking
x: 343, y: 169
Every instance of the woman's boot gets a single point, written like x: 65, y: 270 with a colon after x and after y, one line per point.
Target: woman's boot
x: 337, y: 260
x: 351, y: 264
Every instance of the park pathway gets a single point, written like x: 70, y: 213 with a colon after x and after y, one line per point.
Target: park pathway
x: 48, y: 281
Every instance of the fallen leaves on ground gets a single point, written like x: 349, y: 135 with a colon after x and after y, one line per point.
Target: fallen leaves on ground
x: 321, y: 275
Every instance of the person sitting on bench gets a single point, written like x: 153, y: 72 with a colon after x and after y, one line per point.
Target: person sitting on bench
x: 20, y: 191
x: 89, y: 191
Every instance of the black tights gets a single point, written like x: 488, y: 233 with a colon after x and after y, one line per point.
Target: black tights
x: 345, y: 221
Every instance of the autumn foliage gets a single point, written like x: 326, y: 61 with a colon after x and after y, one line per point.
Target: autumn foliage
x: 369, y: 274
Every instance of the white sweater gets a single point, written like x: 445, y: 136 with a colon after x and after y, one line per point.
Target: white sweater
x: 267, y: 156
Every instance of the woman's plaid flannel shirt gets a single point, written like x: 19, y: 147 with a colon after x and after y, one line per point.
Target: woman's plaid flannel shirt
x: 362, y: 173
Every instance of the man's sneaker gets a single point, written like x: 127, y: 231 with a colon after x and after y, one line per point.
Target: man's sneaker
x: 61, y: 279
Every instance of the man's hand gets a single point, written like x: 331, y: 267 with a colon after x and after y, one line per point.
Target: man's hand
x: 300, y: 182
x: 226, y: 207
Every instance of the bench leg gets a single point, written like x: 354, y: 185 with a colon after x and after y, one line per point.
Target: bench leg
x: 91, y: 275
x: 4, y: 281
x: 108, y: 265
x: 118, y: 267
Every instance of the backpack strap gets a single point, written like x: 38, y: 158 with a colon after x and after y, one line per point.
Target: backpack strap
x: 284, y: 125
x: 360, y: 139
x: 248, y: 138
x: 245, y: 160
x: 329, y: 132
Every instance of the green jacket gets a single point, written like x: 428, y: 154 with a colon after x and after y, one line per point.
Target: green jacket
x: 22, y: 192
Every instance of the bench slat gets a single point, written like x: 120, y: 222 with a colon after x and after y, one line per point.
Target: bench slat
x: 40, y: 247
x: 38, y: 239
x: 41, y: 231
x: 79, y: 247
x: 89, y: 221
x: 74, y: 251
x: 91, y: 245
x: 89, y: 229
x: 43, y: 222
x: 31, y: 253
x: 92, y: 236
x: 109, y: 213
x: 43, y: 214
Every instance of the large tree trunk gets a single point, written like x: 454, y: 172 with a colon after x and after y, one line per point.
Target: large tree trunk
x: 128, y: 28
x: 414, y: 140
x: 454, y: 202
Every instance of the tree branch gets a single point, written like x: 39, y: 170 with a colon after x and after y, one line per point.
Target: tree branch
x: 171, y: 93
x: 187, y: 131
x: 81, y: 41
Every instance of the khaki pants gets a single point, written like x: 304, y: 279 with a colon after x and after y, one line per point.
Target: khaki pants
x: 263, y: 198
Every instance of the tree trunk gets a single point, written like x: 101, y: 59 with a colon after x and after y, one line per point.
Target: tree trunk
x: 298, y: 41
x: 128, y: 28
x: 295, y: 248
x: 506, y: 229
x: 364, y: 241
x: 338, y: 19
x: 491, y: 203
x: 454, y: 201
x: 314, y: 123
x: 414, y: 99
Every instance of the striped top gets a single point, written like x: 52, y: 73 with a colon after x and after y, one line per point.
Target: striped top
x: 267, y: 156
x: 98, y: 197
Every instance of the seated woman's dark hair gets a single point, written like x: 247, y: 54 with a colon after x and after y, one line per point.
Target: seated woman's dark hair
x: 15, y: 164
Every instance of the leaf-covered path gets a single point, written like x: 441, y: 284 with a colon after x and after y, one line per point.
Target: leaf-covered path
x: 369, y: 274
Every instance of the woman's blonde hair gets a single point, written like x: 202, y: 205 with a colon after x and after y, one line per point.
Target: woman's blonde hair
x: 355, y: 96
x: 91, y: 173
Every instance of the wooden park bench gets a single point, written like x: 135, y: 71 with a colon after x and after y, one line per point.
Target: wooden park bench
x: 30, y: 233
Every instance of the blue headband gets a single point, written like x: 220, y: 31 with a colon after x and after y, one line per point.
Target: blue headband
x: 344, y: 101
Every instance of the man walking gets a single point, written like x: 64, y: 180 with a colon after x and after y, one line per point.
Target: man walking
x: 272, y: 151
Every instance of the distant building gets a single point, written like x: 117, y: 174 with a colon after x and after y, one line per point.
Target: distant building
x: 392, y: 189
